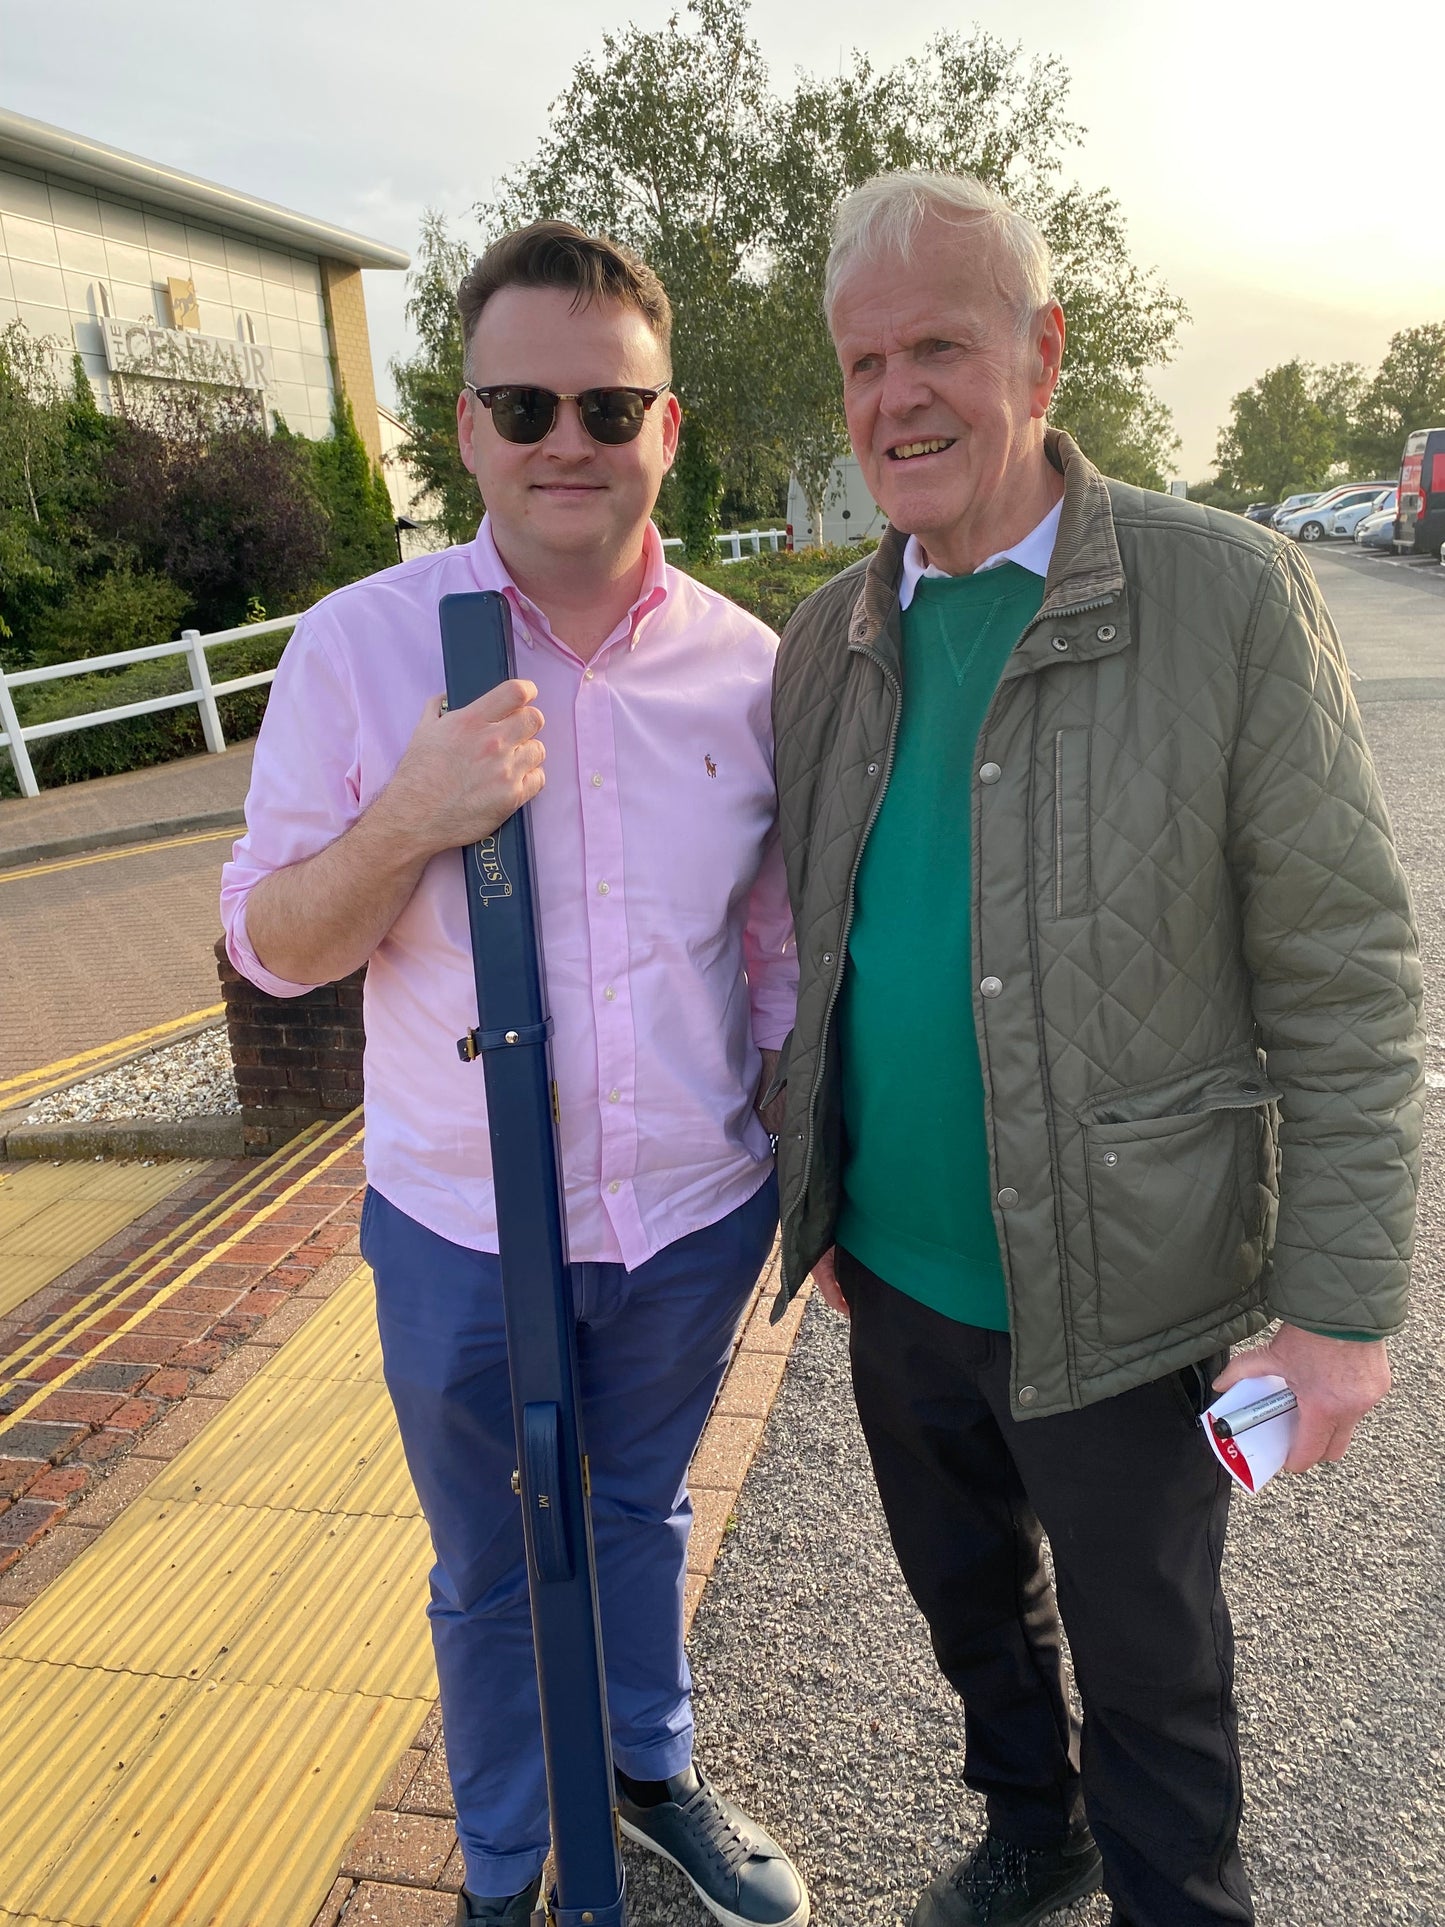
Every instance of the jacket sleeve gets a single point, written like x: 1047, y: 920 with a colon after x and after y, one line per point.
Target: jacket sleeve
x: 1330, y: 944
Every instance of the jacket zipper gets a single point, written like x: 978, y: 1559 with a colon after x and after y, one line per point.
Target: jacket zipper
x: 847, y: 925
x: 1058, y: 823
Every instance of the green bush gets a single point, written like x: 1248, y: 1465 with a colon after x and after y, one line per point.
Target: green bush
x: 138, y: 741
x: 107, y: 614
x: 771, y: 586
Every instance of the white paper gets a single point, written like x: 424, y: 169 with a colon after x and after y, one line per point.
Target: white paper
x: 1255, y: 1456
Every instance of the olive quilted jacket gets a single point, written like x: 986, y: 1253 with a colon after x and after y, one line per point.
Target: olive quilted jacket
x: 1200, y: 1039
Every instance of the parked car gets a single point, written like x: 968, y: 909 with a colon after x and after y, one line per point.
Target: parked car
x: 1346, y: 521
x: 1291, y: 503
x: 1422, y: 493
x: 1376, y: 531
x: 1311, y: 524
x: 1260, y: 511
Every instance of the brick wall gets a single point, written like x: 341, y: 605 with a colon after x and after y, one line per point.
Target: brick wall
x: 297, y: 1059
x: 351, y: 347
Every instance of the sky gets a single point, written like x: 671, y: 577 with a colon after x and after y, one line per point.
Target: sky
x: 1278, y: 166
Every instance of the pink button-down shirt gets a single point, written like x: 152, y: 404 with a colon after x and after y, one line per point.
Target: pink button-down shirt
x: 664, y: 908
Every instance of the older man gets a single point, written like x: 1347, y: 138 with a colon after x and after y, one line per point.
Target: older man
x: 1107, y: 1053
x: 670, y: 966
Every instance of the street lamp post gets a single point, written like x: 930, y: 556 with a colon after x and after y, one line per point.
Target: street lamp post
x: 402, y: 522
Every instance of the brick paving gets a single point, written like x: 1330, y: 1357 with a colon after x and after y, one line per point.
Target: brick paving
x: 98, y: 952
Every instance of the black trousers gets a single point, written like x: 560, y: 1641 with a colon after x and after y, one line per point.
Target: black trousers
x: 1135, y: 1509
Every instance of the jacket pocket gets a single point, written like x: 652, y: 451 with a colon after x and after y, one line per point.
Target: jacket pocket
x: 778, y: 1082
x: 1070, y: 841
x: 1181, y: 1211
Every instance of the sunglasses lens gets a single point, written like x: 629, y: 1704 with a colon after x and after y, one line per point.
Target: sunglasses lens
x: 613, y: 415
x: 523, y: 414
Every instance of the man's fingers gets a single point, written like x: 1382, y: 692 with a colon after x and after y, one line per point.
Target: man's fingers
x: 1251, y: 1364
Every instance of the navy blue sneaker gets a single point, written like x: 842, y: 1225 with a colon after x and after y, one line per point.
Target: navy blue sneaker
x: 743, y: 1878
x: 515, y: 1910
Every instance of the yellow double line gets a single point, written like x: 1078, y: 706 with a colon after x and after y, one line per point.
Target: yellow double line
x: 104, y: 1299
x: 54, y: 866
x: 20, y: 1089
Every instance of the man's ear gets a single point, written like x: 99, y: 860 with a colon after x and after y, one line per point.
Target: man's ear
x: 671, y: 429
x: 1049, y: 336
x: 465, y: 404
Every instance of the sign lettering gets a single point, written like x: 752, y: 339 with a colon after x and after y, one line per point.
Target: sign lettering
x: 175, y: 354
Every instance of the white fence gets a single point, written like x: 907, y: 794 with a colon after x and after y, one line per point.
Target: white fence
x: 203, y: 691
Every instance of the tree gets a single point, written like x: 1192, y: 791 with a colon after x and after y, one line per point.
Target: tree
x: 1127, y: 432
x: 198, y: 492
x: 674, y: 142
x: 1407, y: 393
x: 1279, y: 437
x: 361, y: 537
x: 428, y: 382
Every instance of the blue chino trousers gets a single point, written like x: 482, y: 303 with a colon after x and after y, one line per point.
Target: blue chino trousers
x: 652, y: 1346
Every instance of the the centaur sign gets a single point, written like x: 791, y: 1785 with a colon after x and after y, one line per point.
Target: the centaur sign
x: 180, y: 354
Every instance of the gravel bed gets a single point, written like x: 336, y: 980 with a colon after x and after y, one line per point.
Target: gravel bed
x: 820, y: 1708
x: 189, y: 1079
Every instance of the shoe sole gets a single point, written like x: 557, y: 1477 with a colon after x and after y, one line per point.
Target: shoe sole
x: 800, y: 1916
x: 1088, y: 1882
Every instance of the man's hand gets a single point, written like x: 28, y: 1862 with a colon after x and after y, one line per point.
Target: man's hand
x: 825, y: 1277
x: 770, y: 1116
x: 465, y: 771
x: 1336, y: 1380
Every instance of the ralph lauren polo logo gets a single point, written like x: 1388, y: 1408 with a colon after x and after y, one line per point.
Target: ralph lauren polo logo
x: 710, y: 765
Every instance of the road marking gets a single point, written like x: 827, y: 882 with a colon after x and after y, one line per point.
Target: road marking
x: 114, y: 856
x: 24, y: 1085
x: 192, y: 1271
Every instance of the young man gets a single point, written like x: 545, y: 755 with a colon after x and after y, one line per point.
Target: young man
x: 1096, y: 905
x: 671, y: 973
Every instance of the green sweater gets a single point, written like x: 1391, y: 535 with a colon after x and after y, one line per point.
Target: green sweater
x: 917, y: 1196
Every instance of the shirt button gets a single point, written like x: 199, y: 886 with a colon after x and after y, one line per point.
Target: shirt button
x: 991, y: 986
x: 613, y: 1096
x: 610, y: 994
x: 1008, y: 1197
x: 989, y: 773
x: 597, y: 779
x: 614, y: 1186
x: 604, y: 889
x: 589, y: 674
x: 1027, y: 1394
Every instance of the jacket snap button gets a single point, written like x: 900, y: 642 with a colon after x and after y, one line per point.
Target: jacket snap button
x: 1111, y: 1157
x: 1027, y: 1394
x: 872, y: 769
x: 827, y: 956
x: 991, y: 986
x: 990, y: 773
x: 1008, y: 1196
x: 1060, y: 643
x: 1107, y: 633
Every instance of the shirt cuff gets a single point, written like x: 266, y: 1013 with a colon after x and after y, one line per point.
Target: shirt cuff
x: 238, y: 949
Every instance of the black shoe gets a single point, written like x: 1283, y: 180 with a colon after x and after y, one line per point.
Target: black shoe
x: 515, y: 1910
x: 1001, y: 1885
x: 743, y: 1878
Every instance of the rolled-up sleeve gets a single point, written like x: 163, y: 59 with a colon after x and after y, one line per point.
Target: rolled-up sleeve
x: 305, y: 787
x: 770, y: 955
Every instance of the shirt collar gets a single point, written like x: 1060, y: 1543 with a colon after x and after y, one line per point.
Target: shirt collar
x: 1033, y: 553
x: 493, y: 573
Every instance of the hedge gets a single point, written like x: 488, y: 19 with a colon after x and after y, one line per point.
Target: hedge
x: 772, y: 586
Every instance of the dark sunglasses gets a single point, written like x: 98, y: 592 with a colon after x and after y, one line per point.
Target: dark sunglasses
x: 610, y: 415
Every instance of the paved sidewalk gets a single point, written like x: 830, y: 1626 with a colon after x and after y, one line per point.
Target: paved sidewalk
x: 198, y: 792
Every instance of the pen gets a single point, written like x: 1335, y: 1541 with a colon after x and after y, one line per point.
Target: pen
x: 1248, y: 1416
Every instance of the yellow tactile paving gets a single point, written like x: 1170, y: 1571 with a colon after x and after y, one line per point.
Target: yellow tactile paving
x: 255, y: 1653
x: 52, y: 1215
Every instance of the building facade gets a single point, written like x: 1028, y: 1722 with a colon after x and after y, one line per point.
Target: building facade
x: 151, y: 275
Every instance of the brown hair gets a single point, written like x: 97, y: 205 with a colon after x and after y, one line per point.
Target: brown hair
x: 554, y: 254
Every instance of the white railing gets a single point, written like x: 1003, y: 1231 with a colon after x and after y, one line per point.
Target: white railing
x: 731, y: 544
x: 192, y: 645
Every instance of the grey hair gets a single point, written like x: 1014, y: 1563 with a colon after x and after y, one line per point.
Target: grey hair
x: 884, y: 216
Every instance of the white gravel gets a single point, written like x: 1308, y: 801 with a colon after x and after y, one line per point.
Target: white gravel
x: 820, y: 1707
x: 189, y: 1079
